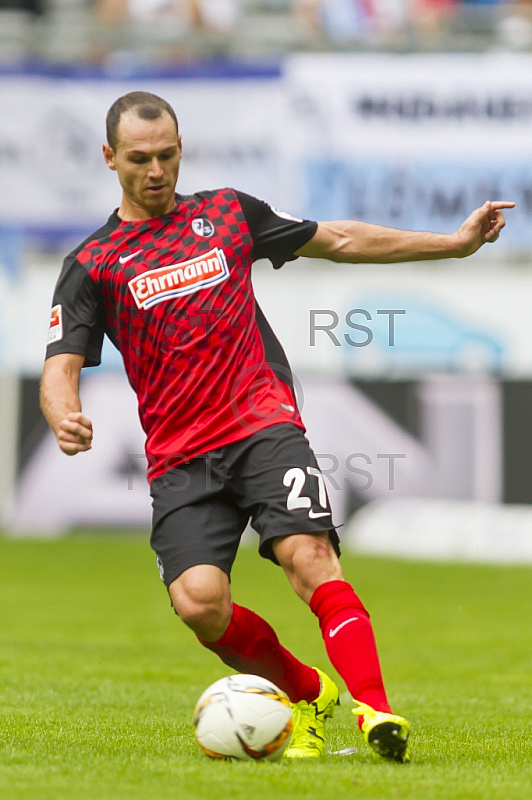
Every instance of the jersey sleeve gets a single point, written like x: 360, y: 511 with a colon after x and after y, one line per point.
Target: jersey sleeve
x: 275, y: 235
x: 76, y: 323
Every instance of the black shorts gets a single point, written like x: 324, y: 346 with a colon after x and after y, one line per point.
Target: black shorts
x: 202, y: 507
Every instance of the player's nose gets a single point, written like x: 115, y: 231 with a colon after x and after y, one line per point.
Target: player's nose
x: 155, y: 170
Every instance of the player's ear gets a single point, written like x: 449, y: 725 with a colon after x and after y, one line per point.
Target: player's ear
x: 109, y: 156
x: 180, y: 142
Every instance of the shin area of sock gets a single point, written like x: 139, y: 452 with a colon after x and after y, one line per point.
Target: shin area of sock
x: 250, y: 645
x: 350, y: 642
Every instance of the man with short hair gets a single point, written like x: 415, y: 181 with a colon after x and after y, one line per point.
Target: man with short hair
x: 167, y: 278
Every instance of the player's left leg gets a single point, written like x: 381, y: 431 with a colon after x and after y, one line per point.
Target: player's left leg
x: 312, y: 567
x: 277, y: 481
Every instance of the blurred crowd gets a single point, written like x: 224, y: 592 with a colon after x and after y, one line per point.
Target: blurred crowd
x: 310, y: 24
x: 34, y: 7
x: 502, y: 22
x: 215, y: 15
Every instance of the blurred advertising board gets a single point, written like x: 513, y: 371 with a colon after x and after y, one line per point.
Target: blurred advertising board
x: 363, y: 321
x: 51, y: 135
x: 414, y: 141
x: 435, y: 467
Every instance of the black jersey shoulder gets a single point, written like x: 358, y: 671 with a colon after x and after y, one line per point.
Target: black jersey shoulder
x: 97, y: 236
x: 276, y: 235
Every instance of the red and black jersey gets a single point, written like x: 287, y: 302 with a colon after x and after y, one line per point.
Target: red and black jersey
x: 174, y: 295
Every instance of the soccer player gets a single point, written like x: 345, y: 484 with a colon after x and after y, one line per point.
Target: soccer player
x: 167, y: 278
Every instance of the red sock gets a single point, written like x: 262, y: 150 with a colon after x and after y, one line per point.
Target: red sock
x: 349, y: 641
x: 251, y: 645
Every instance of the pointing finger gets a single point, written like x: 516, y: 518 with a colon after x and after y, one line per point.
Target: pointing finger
x: 494, y: 205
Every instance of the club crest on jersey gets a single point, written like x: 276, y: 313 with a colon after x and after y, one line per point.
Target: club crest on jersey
x: 185, y: 277
x: 55, y: 331
x: 202, y: 227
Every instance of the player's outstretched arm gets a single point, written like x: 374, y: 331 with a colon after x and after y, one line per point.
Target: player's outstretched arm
x: 61, y: 404
x: 360, y: 242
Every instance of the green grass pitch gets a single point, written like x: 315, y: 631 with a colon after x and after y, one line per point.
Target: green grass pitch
x: 98, y: 679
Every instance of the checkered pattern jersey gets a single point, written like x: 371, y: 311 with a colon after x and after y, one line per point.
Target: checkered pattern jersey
x: 174, y: 295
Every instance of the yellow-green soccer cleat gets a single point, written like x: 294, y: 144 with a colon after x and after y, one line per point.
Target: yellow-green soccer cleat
x: 308, y: 736
x: 386, y: 734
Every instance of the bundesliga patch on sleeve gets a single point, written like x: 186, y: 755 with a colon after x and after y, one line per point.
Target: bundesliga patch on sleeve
x: 284, y: 215
x: 55, y: 331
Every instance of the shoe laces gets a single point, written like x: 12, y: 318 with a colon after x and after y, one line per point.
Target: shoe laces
x: 304, y: 722
x: 303, y: 711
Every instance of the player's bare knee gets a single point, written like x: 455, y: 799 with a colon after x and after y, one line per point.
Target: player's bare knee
x: 309, y: 560
x: 303, y: 551
x: 316, y: 560
x: 207, y: 620
x: 203, y: 605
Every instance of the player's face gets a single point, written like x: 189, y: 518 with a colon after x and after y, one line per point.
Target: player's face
x: 146, y: 159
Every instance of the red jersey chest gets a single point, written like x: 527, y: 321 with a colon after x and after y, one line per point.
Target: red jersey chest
x: 183, y: 274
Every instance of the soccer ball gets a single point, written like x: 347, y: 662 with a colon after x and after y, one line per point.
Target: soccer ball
x: 244, y: 717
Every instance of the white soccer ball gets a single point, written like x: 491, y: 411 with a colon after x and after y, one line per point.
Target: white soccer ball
x: 244, y: 717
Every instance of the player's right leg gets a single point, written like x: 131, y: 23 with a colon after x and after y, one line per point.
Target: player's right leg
x: 239, y: 637
x: 243, y: 640
x: 196, y: 533
x: 202, y: 599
